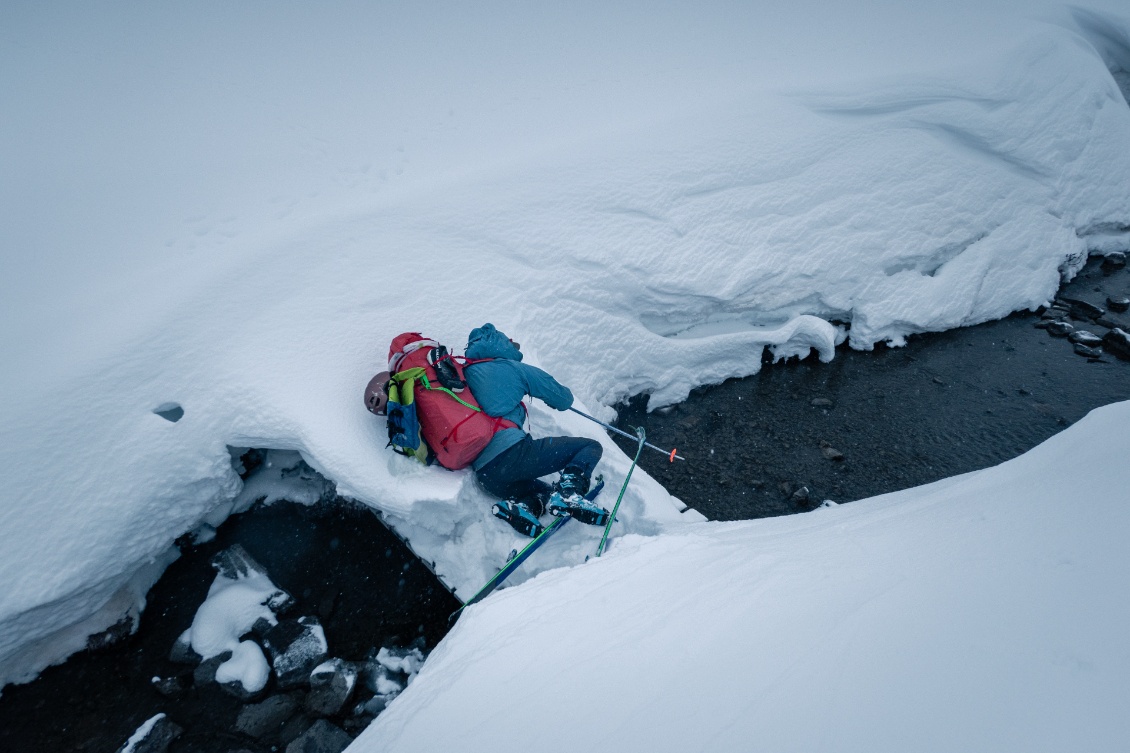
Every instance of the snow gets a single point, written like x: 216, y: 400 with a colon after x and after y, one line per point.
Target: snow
x: 223, y: 214
x: 140, y: 734
x: 982, y: 612
x: 247, y: 666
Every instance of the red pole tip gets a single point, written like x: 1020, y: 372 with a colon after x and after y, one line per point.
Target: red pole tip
x: 671, y: 457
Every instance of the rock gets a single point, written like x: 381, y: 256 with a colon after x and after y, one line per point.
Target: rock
x: 1117, y: 342
x: 939, y: 380
x: 381, y: 680
x: 1083, y: 310
x: 1059, y: 329
x: 153, y: 736
x: 182, y: 652
x: 1054, y: 313
x: 374, y: 705
x: 205, y: 673
x: 1113, y: 261
x: 800, y: 496
x: 1083, y: 337
x: 1119, y: 304
x: 331, y: 687
x: 322, y: 737
x: 1087, y: 352
x: 234, y: 563
x: 259, y: 719
x: 1043, y: 323
x: 169, y: 687
x: 830, y: 452
x: 296, y: 647
x: 821, y: 402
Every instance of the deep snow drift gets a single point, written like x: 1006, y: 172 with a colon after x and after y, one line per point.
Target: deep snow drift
x: 225, y: 214
x: 982, y: 612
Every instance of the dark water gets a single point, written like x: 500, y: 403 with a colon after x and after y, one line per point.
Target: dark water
x: 945, y: 404
x: 337, y: 559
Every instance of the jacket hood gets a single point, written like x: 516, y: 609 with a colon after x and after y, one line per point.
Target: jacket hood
x: 488, y: 342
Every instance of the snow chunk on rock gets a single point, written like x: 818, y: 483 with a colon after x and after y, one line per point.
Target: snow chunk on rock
x: 241, y: 597
x: 296, y: 647
x: 153, y: 736
x: 331, y: 686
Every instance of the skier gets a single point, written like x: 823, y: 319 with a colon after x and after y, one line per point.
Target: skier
x: 511, y: 465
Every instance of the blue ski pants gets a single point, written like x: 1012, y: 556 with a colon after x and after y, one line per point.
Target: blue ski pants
x: 515, y: 473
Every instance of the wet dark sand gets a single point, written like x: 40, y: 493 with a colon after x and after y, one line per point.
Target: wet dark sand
x: 339, y: 562
x: 944, y: 404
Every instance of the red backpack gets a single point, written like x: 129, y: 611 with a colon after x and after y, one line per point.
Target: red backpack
x: 423, y: 414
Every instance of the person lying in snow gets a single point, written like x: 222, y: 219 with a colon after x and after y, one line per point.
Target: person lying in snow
x: 510, y: 466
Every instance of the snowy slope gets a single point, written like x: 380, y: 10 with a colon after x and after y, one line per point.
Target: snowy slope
x: 983, y: 612
x: 235, y: 209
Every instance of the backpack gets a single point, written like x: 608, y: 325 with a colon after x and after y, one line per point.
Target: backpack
x: 428, y: 420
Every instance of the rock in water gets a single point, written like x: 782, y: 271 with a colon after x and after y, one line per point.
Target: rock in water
x: 153, y: 736
x: 1113, y: 261
x: 182, y: 652
x: 331, y: 687
x: 322, y: 737
x: 1087, y: 352
x: 1083, y: 337
x: 206, y: 672
x: 1083, y: 309
x: 235, y: 563
x: 1117, y: 342
x: 830, y: 452
x: 296, y: 648
x: 259, y: 719
x: 170, y: 687
x: 1119, y: 304
x: 1059, y: 329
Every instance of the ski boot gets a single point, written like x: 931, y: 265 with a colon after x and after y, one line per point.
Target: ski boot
x: 568, y: 499
x: 519, y: 516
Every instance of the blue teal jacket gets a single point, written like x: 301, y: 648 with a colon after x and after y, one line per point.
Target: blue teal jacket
x: 499, y: 386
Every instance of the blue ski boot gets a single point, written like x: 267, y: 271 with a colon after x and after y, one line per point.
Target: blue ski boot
x: 568, y: 499
x: 519, y: 516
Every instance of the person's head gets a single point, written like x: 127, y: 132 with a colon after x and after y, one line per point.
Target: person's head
x: 376, y: 394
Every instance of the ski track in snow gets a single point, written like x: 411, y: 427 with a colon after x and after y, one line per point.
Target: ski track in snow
x: 630, y: 243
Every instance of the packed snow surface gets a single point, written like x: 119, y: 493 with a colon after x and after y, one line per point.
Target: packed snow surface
x: 982, y: 612
x: 215, y: 217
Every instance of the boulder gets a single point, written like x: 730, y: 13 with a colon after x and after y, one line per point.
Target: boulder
x: 296, y: 648
x: 1059, y: 329
x: 1117, y: 342
x: 205, y: 673
x: 331, y: 686
x: 1081, y: 309
x: 181, y: 652
x: 259, y: 719
x: 830, y: 452
x: 153, y: 736
x: 1118, y: 303
x: 322, y: 737
x: 1087, y: 352
x: 169, y: 687
x: 1113, y: 261
x: 1083, y: 337
x: 235, y: 563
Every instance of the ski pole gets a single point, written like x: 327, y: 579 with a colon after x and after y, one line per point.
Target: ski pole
x: 671, y: 456
x: 641, y: 435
